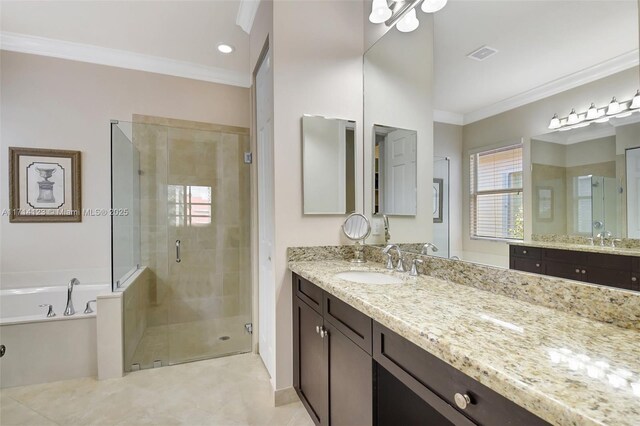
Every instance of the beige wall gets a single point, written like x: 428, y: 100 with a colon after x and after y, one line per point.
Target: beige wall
x: 524, y: 123
x: 317, y: 70
x: 56, y: 103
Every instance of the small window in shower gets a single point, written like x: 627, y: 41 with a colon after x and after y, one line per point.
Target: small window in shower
x: 189, y: 205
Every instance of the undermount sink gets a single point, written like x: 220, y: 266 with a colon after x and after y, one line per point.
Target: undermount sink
x: 368, y: 277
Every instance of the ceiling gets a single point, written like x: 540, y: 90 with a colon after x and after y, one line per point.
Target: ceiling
x: 538, y: 42
x: 185, y: 31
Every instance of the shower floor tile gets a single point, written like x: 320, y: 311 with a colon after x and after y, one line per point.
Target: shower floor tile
x: 232, y: 390
x: 191, y: 341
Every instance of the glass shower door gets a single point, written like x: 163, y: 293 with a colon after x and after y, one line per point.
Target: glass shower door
x: 208, y: 207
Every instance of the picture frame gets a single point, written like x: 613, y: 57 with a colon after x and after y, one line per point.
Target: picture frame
x: 544, y: 212
x: 438, y: 185
x: 44, y: 185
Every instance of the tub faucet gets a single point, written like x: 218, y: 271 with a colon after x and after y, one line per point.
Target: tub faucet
x: 426, y: 247
x: 69, y: 309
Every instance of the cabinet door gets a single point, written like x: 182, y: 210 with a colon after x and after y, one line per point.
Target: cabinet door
x: 611, y: 277
x: 564, y: 270
x: 350, y: 380
x: 309, y: 366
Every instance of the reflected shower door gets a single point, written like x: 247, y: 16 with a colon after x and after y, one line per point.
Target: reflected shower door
x: 441, y: 223
x: 208, y: 207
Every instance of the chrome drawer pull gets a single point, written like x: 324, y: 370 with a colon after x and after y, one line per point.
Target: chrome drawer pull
x: 462, y: 400
x: 634, y: 279
x: 524, y: 252
x: 318, y: 329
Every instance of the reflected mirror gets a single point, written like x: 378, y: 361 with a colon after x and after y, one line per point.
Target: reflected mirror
x: 394, y: 163
x: 480, y: 82
x: 328, y: 165
x: 581, y: 183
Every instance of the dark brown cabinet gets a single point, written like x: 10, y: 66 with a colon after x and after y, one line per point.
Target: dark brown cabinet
x: 333, y: 375
x: 350, y: 370
x: 597, y: 268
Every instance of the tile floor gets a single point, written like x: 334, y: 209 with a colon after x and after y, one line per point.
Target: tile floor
x: 233, y: 390
x: 189, y: 341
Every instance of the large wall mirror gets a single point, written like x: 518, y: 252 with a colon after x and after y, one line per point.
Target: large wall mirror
x: 499, y: 72
x: 328, y: 164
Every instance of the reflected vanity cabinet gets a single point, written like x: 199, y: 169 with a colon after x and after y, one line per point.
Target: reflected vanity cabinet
x: 598, y: 268
x: 350, y: 370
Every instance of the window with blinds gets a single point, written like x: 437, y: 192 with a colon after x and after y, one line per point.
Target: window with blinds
x: 496, y: 194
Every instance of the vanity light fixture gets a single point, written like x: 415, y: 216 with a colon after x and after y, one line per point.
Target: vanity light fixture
x: 402, y: 13
x: 614, y: 107
x: 380, y: 11
x: 573, y: 117
x: 409, y: 22
x: 594, y: 114
x: 635, y: 103
x: 432, y: 6
x: 225, y: 48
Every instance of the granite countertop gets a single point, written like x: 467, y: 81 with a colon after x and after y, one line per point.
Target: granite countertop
x: 579, y: 247
x: 565, y: 369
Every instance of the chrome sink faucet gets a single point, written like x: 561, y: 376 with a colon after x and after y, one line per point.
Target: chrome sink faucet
x: 603, y: 237
x: 69, y: 310
x: 400, y: 265
x: 426, y: 247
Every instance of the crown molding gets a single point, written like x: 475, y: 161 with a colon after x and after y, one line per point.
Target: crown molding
x: 246, y: 14
x: 596, y: 72
x: 43, y: 46
x: 448, y: 117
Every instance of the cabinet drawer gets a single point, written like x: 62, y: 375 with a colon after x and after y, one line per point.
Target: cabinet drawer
x: 609, y: 261
x: 418, y: 369
x: 351, y: 322
x: 564, y: 270
x: 309, y: 293
x: 576, y: 257
x: 528, y: 252
x: 528, y: 265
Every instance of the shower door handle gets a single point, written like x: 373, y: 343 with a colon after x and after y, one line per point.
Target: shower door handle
x: 178, y: 260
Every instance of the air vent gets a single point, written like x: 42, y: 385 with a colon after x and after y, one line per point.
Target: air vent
x: 482, y: 53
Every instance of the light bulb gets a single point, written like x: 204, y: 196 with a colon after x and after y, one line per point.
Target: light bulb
x: 555, y: 122
x: 380, y: 11
x: 573, y: 117
x: 635, y: 103
x: 614, y: 107
x: 432, y: 6
x: 409, y: 22
x: 592, y: 112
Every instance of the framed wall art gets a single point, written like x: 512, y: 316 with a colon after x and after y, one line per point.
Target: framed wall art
x: 44, y: 185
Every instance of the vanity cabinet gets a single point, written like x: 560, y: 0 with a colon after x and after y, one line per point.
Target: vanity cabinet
x: 333, y: 373
x: 350, y: 370
x: 597, y: 268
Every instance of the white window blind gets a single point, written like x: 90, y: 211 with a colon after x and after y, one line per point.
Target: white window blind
x: 496, y: 193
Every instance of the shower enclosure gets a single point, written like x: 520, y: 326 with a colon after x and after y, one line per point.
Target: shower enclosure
x: 186, y: 189
x: 441, y: 231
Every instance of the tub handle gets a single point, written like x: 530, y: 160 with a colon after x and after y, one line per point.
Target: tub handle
x: 3, y: 350
x: 50, y: 313
x: 87, y: 309
x: 178, y: 260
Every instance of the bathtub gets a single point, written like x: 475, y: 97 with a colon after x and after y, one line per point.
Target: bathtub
x: 41, y: 349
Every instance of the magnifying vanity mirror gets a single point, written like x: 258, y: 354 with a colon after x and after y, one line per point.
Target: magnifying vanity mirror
x: 357, y: 228
x: 491, y: 169
x: 329, y: 165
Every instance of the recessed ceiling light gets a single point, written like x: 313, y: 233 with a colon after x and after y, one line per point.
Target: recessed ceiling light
x: 225, y: 48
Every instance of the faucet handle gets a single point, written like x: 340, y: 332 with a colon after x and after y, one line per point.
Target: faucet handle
x: 614, y: 241
x: 414, y: 267
x: 50, y: 313
x: 87, y: 309
x: 389, y: 261
x: 400, y: 267
x: 590, y: 241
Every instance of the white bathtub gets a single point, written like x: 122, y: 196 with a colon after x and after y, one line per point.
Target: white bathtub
x: 41, y: 349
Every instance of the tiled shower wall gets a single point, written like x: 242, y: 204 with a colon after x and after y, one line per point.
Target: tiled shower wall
x: 212, y: 280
